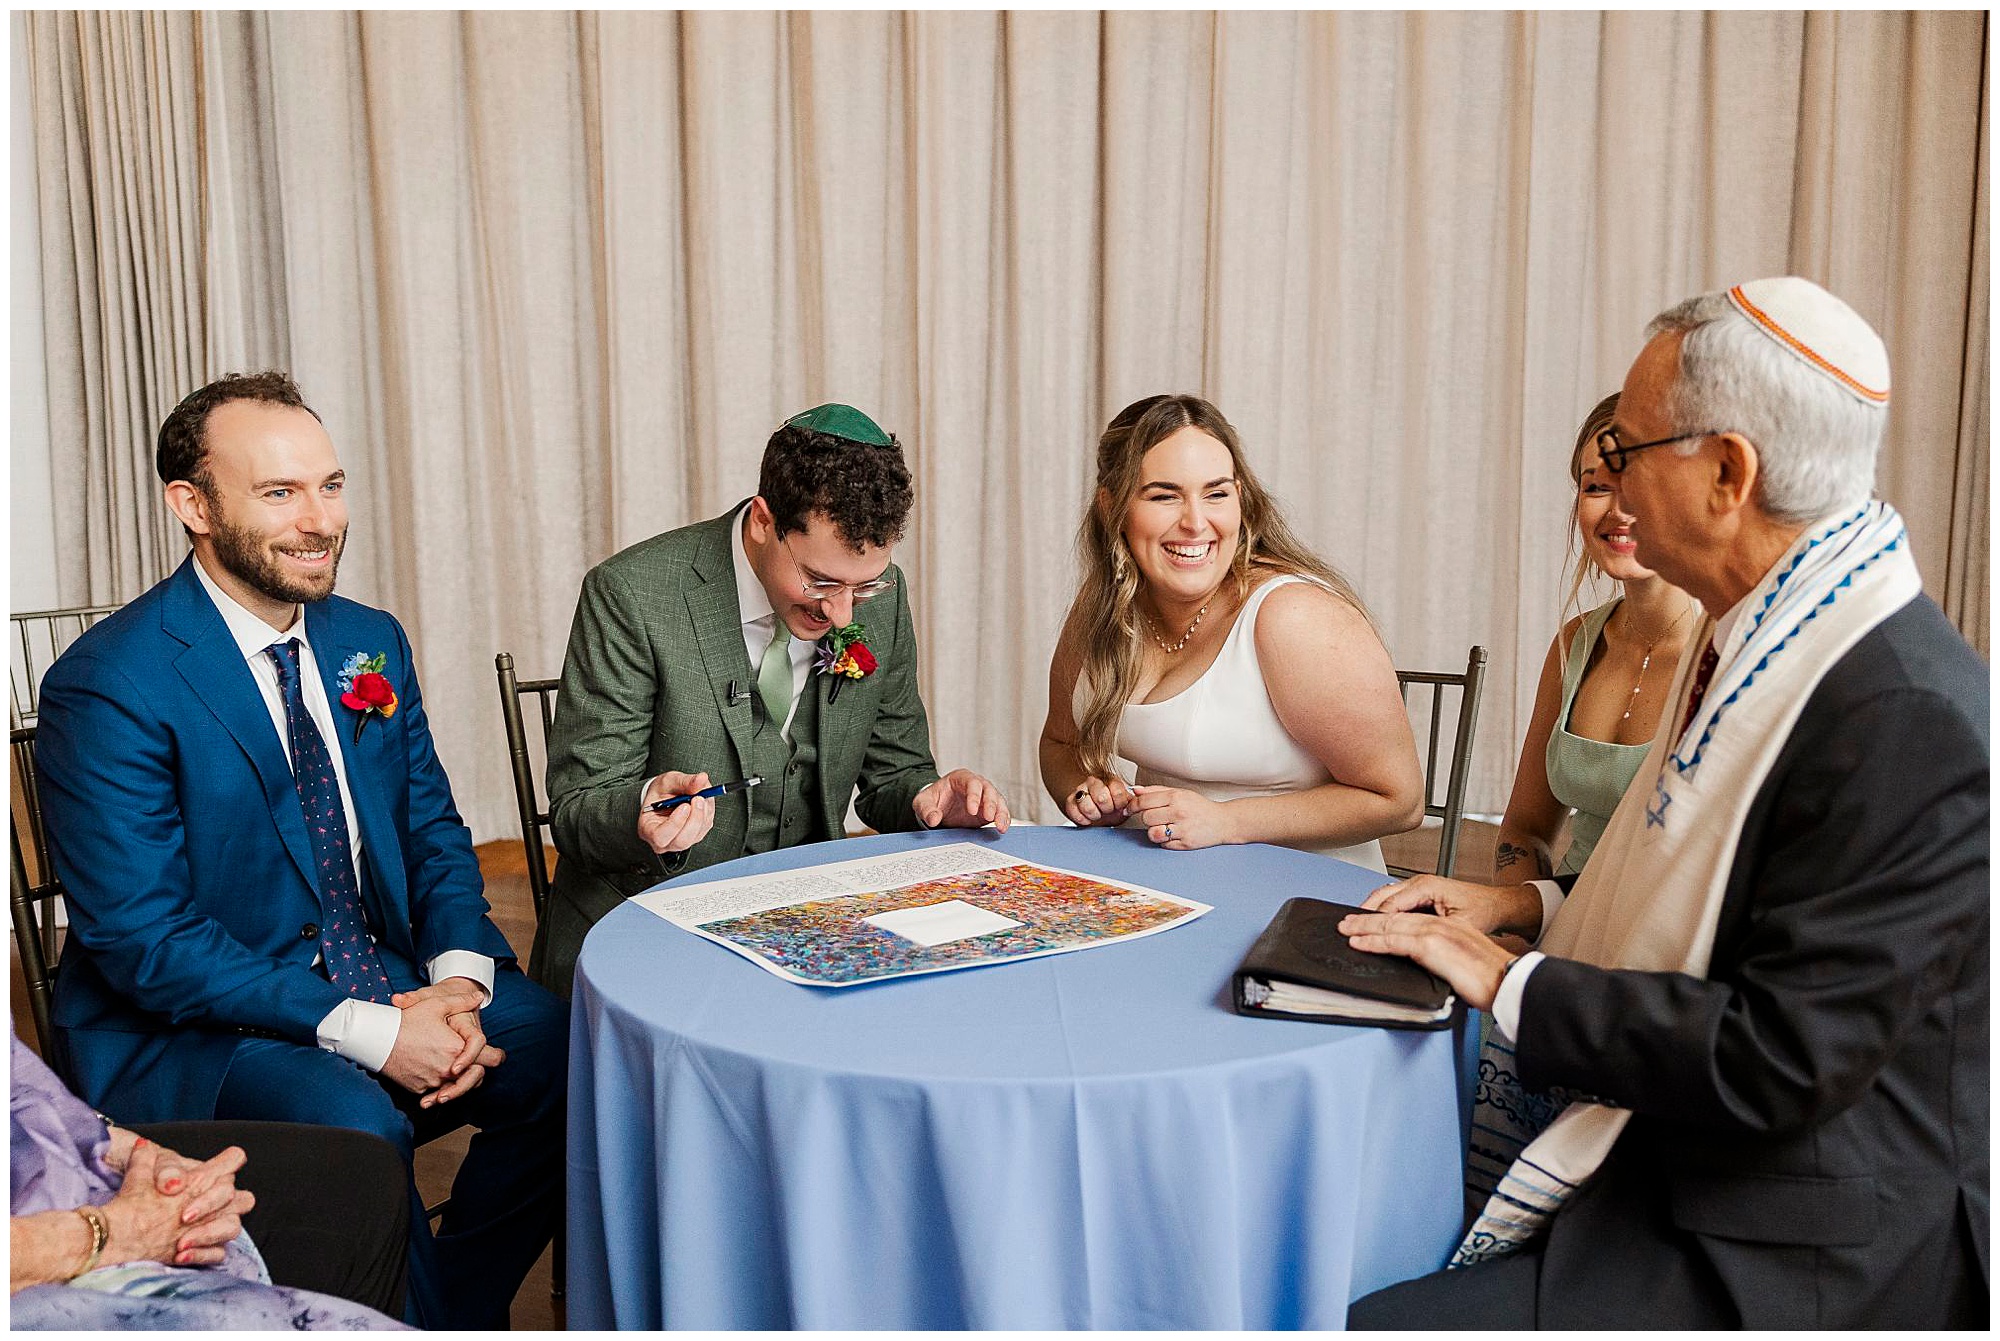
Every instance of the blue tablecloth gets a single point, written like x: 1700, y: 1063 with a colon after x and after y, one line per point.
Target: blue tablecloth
x: 1085, y: 1140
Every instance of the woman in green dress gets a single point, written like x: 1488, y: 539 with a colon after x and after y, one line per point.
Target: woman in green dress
x: 1602, y: 689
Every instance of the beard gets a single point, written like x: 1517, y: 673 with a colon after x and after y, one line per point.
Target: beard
x: 253, y: 560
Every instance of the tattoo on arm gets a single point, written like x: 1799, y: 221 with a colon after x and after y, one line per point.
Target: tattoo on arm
x: 1506, y: 855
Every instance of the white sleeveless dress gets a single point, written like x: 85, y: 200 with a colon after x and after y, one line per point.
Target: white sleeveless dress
x: 1221, y: 735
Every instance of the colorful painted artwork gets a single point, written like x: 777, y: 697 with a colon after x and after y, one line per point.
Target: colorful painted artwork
x: 1007, y: 910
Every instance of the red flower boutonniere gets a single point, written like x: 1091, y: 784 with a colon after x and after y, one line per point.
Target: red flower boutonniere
x: 364, y: 688
x: 843, y: 655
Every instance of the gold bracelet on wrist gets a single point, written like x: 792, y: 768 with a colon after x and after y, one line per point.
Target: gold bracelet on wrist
x: 100, y: 1234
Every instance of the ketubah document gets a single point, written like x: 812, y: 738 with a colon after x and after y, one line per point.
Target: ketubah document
x: 931, y: 910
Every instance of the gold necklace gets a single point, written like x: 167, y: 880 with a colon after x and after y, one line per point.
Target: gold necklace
x: 1161, y: 638
x: 1647, y: 660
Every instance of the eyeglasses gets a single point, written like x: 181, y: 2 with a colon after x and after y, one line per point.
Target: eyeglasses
x: 1616, y: 455
x: 826, y: 591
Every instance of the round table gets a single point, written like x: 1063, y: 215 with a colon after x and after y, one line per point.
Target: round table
x: 1085, y: 1140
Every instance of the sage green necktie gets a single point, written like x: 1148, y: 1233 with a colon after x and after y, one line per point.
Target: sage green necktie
x: 774, y: 674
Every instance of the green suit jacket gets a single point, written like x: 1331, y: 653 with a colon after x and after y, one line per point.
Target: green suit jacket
x: 657, y: 639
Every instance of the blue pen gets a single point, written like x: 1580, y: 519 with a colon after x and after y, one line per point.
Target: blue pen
x: 720, y: 789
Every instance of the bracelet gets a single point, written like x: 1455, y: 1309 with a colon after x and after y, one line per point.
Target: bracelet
x: 100, y: 1234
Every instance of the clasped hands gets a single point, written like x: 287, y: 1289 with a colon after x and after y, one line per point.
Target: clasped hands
x: 1174, y: 816
x: 1454, y: 928
x: 441, y: 1052
x: 171, y: 1208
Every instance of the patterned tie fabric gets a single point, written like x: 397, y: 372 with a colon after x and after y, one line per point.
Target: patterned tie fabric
x: 1704, y: 671
x: 774, y: 674
x: 349, y: 956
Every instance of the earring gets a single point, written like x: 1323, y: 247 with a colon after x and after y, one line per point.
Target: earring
x: 1118, y: 565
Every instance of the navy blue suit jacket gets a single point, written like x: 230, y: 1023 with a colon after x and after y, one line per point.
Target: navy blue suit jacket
x: 175, y: 825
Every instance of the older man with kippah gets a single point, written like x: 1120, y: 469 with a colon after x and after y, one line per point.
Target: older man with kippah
x: 773, y: 642
x: 1742, y: 1078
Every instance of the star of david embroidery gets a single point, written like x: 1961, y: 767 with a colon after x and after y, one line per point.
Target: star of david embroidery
x: 1656, y: 816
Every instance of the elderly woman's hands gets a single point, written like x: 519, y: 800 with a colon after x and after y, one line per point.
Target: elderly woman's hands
x: 211, y: 1182
x: 143, y: 1223
x: 185, y: 1228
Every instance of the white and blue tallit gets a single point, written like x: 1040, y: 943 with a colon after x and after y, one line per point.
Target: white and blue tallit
x: 1651, y: 895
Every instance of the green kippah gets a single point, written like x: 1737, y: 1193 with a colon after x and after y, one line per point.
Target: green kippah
x: 842, y: 421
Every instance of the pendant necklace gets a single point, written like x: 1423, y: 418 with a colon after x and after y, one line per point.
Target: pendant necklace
x: 1646, y: 661
x: 1171, y: 648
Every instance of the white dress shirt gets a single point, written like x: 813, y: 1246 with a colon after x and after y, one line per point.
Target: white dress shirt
x: 760, y: 620
x: 1514, y: 983
x: 364, y: 1032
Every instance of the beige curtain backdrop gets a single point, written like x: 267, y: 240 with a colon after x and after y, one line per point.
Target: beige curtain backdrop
x: 552, y: 279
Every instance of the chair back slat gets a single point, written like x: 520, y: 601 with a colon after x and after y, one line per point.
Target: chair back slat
x: 1431, y: 754
x: 1451, y: 809
x: 38, y: 638
x: 35, y: 895
x: 534, y: 816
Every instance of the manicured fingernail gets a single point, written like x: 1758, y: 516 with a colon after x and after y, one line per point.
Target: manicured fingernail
x: 141, y: 1141
x: 184, y: 1257
x: 173, y: 1185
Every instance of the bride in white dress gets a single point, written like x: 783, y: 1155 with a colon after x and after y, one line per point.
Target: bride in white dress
x: 1216, y: 682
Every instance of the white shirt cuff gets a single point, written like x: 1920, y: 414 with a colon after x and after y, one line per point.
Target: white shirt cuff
x: 364, y: 1032
x: 1506, y: 1010
x: 464, y: 964
x: 1552, y: 899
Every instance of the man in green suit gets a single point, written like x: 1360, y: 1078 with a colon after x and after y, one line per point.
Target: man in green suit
x: 774, y: 641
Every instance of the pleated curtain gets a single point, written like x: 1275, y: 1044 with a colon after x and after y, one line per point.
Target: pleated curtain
x: 551, y: 279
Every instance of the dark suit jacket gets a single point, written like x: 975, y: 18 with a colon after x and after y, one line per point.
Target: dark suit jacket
x: 176, y: 827
x: 1808, y: 1145
x: 657, y: 639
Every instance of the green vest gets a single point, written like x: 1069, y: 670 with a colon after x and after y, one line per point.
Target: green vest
x: 784, y: 812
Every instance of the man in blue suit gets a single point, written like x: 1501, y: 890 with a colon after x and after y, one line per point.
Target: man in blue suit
x: 275, y: 912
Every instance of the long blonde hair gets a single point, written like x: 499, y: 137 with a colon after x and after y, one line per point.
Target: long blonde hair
x: 1578, y: 564
x: 1104, y: 614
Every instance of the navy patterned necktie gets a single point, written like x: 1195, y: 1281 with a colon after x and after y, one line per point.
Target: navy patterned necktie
x: 351, y: 962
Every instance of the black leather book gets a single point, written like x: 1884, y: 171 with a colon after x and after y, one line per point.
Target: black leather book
x: 1302, y: 968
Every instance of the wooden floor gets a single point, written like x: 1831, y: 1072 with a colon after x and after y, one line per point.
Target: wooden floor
x: 1417, y: 850
x: 505, y: 868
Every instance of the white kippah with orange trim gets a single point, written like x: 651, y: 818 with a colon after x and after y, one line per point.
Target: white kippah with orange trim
x: 1820, y: 331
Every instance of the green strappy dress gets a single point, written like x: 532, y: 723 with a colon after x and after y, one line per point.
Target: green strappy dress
x: 1589, y: 776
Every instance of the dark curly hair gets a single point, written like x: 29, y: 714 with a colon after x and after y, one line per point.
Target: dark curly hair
x: 181, y: 452
x: 864, y: 489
